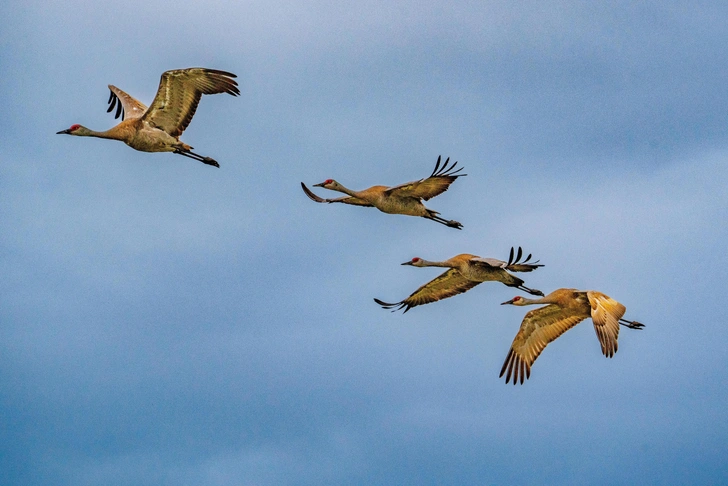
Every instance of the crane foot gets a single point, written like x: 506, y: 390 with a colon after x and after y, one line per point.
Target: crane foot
x: 454, y: 224
x: 210, y: 161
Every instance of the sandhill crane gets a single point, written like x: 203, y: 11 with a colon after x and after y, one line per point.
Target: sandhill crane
x: 567, y: 308
x: 403, y: 199
x: 465, y: 272
x: 157, y: 128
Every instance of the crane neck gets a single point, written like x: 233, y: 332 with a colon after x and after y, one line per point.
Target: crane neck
x: 427, y: 263
x: 108, y: 134
x: 346, y: 190
x: 540, y: 300
x: 114, y: 133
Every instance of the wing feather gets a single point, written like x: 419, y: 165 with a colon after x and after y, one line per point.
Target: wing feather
x: 513, y: 266
x: 539, y: 327
x: 438, y: 182
x: 126, y: 105
x: 446, y: 285
x: 606, y: 313
x: 179, y: 94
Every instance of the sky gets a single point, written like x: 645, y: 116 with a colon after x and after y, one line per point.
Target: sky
x: 164, y: 322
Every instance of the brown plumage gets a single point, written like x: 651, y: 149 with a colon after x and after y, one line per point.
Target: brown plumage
x: 567, y: 308
x: 403, y: 199
x: 465, y: 272
x: 158, y: 128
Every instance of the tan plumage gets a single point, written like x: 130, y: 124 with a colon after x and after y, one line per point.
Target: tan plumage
x: 158, y: 128
x: 402, y: 199
x: 465, y: 272
x: 567, y: 308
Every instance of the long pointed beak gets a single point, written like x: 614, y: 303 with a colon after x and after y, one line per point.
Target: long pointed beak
x: 407, y: 263
x: 67, y: 132
x: 507, y: 302
x: 319, y: 185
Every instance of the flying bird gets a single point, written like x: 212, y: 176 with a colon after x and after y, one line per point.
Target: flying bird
x: 403, y: 199
x: 157, y: 128
x: 567, y: 308
x: 465, y: 272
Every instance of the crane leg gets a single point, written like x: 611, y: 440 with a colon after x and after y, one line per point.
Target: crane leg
x: 198, y: 157
x: 450, y: 223
x: 631, y: 324
x: 530, y: 291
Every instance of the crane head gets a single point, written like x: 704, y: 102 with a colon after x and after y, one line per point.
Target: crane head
x: 414, y: 262
x: 74, y: 130
x: 517, y: 300
x: 325, y: 183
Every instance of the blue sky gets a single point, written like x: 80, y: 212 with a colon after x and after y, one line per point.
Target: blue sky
x: 166, y: 322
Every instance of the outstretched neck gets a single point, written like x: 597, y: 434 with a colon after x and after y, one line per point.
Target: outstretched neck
x: 527, y: 301
x: 427, y: 263
x: 109, y: 134
x: 112, y: 134
x: 345, y: 190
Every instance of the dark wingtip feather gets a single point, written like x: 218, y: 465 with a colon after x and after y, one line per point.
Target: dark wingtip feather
x: 437, y: 166
x: 394, y: 306
x: 505, y: 364
x: 112, y: 102
x: 311, y: 195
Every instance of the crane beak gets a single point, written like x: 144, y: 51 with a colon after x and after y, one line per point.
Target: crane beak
x: 407, y: 263
x: 67, y: 132
x: 507, y: 302
x: 319, y: 185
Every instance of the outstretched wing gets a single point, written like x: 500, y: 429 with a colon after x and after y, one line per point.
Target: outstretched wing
x: 539, y: 327
x: 126, y: 106
x: 436, y: 184
x: 446, y: 285
x: 514, y: 265
x: 606, y: 313
x: 346, y: 199
x: 179, y: 94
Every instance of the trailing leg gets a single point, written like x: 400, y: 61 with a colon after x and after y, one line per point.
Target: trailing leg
x: 450, y: 223
x: 198, y: 157
x: 631, y: 324
x: 530, y: 291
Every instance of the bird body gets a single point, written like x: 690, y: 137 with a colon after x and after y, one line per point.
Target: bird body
x: 404, y: 199
x: 465, y: 271
x: 566, y: 308
x: 158, y: 128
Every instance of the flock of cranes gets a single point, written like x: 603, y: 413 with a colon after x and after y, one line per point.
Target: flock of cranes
x: 158, y: 128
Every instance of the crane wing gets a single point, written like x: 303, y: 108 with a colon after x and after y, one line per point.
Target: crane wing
x: 539, y: 327
x: 490, y: 262
x: 179, y: 94
x: 436, y: 184
x: 446, y: 285
x: 606, y: 313
x: 346, y: 199
x: 514, y: 265
x: 126, y: 105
